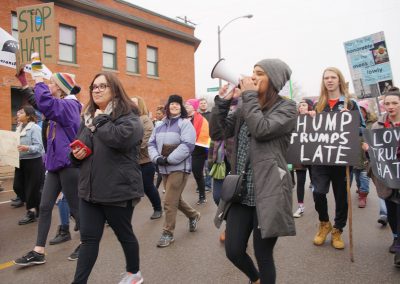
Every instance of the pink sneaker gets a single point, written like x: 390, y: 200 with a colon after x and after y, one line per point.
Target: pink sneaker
x: 131, y: 278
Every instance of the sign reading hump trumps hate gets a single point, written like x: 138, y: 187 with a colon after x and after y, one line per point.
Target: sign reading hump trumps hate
x: 329, y: 138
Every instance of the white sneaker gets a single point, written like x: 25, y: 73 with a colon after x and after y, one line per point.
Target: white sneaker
x: 130, y: 278
x: 299, y: 212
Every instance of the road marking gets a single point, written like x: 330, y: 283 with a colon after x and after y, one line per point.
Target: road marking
x: 4, y: 202
x: 6, y: 265
x: 4, y: 191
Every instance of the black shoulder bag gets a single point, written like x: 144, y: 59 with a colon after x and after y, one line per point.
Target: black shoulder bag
x: 234, y: 188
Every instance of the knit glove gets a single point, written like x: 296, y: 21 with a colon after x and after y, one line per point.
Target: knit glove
x: 22, y: 78
x: 37, y: 66
x: 162, y: 161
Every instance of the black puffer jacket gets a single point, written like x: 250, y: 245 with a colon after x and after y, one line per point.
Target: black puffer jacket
x: 112, y: 172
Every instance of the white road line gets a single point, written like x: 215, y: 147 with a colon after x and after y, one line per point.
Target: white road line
x: 4, y: 202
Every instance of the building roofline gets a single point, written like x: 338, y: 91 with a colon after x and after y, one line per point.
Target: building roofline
x: 103, y: 10
x: 124, y: 2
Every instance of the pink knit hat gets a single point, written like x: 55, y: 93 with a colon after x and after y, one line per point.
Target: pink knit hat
x: 194, y: 103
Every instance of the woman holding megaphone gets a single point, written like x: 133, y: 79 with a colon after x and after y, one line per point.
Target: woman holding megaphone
x: 261, y: 127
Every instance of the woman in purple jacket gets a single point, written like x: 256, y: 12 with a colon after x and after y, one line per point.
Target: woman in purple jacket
x: 58, y: 103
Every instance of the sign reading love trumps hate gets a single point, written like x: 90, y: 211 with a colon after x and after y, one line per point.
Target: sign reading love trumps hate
x: 383, y: 144
x: 329, y: 138
x: 36, y: 32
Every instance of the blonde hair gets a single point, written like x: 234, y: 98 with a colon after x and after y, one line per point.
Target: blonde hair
x: 323, y: 97
x: 141, y: 106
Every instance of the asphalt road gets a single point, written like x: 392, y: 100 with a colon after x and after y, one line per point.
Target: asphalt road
x: 199, y: 257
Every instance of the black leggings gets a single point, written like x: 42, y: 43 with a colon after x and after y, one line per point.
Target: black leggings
x: 301, y: 181
x: 197, y: 169
x: 93, y: 217
x: 241, y: 221
x: 65, y: 180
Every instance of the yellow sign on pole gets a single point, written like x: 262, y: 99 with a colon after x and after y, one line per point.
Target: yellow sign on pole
x: 36, y: 32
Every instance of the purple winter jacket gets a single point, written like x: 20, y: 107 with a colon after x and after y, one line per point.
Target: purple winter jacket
x: 64, y: 116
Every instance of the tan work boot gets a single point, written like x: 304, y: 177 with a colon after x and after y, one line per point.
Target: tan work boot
x: 337, y: 241
x: 324, y: 229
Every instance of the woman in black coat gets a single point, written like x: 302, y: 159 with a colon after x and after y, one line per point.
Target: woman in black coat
x: 110, y: 182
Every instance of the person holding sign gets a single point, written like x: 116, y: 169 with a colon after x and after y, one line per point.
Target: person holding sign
x: 261, y: 127
x: 390, y: 119
x: 334, y: 97
x: 58, y: 103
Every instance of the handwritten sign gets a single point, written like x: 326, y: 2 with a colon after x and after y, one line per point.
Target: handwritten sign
x: 36, y: 32
x: 9, y: 154
x: 329, y: 138
x: 368, y: 60
x: 382, y: 151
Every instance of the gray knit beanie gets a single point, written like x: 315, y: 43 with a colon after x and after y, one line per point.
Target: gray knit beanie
x: 277, y: 71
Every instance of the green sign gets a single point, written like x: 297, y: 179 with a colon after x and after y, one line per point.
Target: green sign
x: 213, y: 89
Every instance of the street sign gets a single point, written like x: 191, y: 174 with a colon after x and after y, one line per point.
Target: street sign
x: 213, y: 89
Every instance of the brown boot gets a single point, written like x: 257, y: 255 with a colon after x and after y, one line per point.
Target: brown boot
x: 362, y: 199
x: 324, y: 229
x: 337, y: 241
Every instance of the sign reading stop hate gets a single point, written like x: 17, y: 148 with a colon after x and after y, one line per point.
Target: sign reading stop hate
x: 36, y: 32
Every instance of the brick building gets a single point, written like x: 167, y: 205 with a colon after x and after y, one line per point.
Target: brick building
x: 152, y: 55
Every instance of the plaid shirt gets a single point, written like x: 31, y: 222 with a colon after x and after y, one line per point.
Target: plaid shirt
x: 243, y: 152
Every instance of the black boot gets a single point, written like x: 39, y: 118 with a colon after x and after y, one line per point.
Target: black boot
x: 28, y: 218
x: 62, y: 235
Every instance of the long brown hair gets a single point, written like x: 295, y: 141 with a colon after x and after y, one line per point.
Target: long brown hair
x: 269, y: 98
x: 141, y: 106
x: 121, y: 102
x: 323, y: 96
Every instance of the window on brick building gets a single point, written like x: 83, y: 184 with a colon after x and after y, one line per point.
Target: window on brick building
x: 14, y: 25
x: 152, y: 61
x: 132, y: 57
x: 67, y: 46
x: 109, y: 52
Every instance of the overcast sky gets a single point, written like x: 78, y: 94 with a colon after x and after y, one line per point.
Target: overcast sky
x: 308, y: 34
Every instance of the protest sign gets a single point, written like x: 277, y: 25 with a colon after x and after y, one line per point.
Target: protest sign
x: 369, y: 64
x: 382, y: 151
x: 9, y: 154
x: 9, y: 47
x: 36, y: 32
x: 329, y: 138
x: 9, y: 56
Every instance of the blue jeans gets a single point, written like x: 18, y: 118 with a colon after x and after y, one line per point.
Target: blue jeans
x: 362, y: 180
x: 208, y: 178
x: 63, y: 210
x: 217, y: 186
x: 382, y: 207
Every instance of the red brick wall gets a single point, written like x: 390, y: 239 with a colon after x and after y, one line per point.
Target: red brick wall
x: 176, y: 59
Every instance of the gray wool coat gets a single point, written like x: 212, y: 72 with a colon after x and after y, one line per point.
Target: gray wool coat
x: 270, y: 132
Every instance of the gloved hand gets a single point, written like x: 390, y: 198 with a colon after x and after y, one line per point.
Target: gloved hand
x: 162, y: 161
x: 22, y: 78
x: 37, y: 66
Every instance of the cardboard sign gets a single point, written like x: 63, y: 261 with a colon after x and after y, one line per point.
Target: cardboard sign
x: 329, y: 138
x: 369, y: 64
x: 383, y: 144
x: 36, y: 32
x: 9, y: 155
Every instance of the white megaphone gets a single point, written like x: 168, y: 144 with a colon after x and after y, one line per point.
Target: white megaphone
x: 222, y: 71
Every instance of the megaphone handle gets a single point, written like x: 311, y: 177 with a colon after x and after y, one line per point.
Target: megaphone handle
x: 231, y: 87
